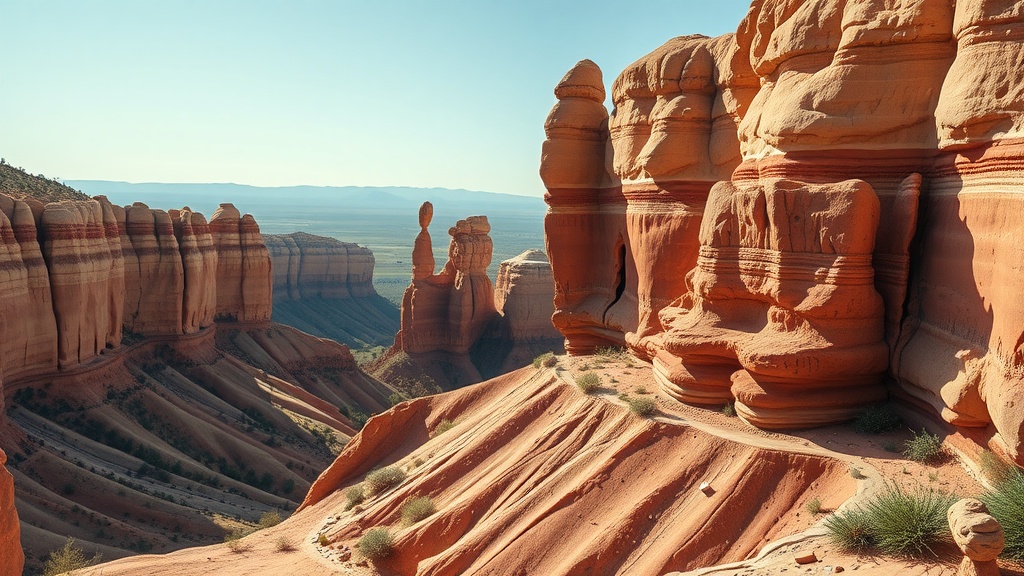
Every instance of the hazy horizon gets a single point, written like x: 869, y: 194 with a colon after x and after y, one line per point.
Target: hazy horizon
x: 448, y: 94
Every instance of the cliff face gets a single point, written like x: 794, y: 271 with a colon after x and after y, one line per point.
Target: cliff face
x: 308, y: 266
x: 10, y: 532
x: 244, y: 281
x: 757, y: 194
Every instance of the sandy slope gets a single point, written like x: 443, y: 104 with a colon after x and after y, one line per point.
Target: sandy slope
x: 538, y: 478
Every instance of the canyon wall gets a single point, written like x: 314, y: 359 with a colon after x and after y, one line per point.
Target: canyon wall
x: 308, y: 266
x: 791, y: 216
x: 10, y: 531
x: 78, y: 272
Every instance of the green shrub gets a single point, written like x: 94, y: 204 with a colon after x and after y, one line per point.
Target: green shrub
x: 396, y: 398
x: 923, y: 447
x: 416, y: 509
x: 995, y: 469
x: 546, y: 360
x: 1006, y: 503
x: 895, y: 522
x: 443, y: 426
x: 642, y: 406
x: 849, y: 530
x: 641, y: 390
x: 323, y: 540
x: 588, y: 382
x: 814, y: 506
x: 268, y: 519
x: 729, y: 410
x: 612, y: 352
x: 856, y: 473
x: 877, y: 419
x: 67, y: 558
x: 383, y: 479
x: 354, y: 495
x: 376, y: 544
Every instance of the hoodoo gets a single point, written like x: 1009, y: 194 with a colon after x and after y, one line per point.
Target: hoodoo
x: 752, y: 229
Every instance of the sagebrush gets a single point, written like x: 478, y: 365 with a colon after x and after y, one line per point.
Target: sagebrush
x: 376, y: 544
x: 588, y: 382
x: 416, y: 509
x: 383, y: 479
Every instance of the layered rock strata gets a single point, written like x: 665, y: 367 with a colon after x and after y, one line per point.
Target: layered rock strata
x: 917, y: 104
x: 523, y: 294
x: 450, y: 310
x: 308, y: 266
x: 244, y: 280
x: 10, y: 532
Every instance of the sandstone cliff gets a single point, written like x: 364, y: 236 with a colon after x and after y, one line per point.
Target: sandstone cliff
x: 746, y: 216
x: 244, y: 280
x: 325, y: 287
x: 10, y: 532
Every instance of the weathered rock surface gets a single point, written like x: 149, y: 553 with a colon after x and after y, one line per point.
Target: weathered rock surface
x: 978, y: 535
x: 244, y: 279
x: 524, y: 296
x: 919, y: 102
x: 153, y: 302
x: 10, y: 531
x: 308, y: 266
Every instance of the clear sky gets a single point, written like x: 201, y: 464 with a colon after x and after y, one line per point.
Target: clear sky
x: 446, y: 93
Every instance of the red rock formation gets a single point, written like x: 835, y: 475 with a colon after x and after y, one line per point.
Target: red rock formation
x: 199, y: 265
x: 809, y: 93
x: 116, y: 279
x: 26, y: 307
x: 308, y: 266
x: 244, y: 279
x: 81, y: 278
x: 10, y: 532
x: 585, y: 228
x: 154, y: 305
x: 449, y: 311
x: 524, y: 296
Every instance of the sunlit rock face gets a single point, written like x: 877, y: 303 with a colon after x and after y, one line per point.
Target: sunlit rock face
x: 449, y: 311
x: 244, y: 278
x: 10, y: 530
x: 524, y: 295
x: 826, y: 104
x: 308, y: 266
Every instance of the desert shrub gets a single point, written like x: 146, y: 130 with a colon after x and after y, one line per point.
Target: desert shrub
x: 856, y: 473
x: 1006, y: 503
x: 376, y: 544
x: 612, y: 353
x: 67, y: 558
x: 895, y: 522
x: 641, y: 390
x: 354, y: 495
x: 923, y: 447
x: 729, y: 410
x: 849, y: 530
x: 416, y: 509
x: 396, y: 398
x: 283, y: 544
x: 268, y: 519
x: 642, y: 406
x: 588, y: 382
x: 546, y: 360
x: 814, y: 506
x: 877, y: 419
x: 443, y: 427
x: 323, y: 540
x: 383, y: 479
x: 233, y: 540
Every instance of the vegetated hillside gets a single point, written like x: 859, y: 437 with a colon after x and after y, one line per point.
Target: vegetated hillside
x: 356, y: 322
x: 169, y: 443
x: 17, y: 183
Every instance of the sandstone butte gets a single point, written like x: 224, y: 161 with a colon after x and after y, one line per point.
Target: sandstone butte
x: 100, y: 301
x: 807, y: 215
x: 456, y: 328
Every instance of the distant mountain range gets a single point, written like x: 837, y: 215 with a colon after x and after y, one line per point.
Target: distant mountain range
x: 252, y: 199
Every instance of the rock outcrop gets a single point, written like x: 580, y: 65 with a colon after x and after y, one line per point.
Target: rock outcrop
x: 523, y: 295
x: 308, y: 266
x: 978, y: 535
x: 450, y: 310
x: 10, y: 531
x: 807, y: 100
x: 244, y: 280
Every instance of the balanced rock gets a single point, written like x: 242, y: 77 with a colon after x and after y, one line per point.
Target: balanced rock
x: 978, y: 535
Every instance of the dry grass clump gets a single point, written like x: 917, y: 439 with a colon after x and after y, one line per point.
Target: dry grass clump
x: 377, y: 544
x: 268, y: 519
x: 283, y: 544
x: 588, y: 382
x: 416, y: 509
x: 234, y: 541
x: 383, y: 479
x: 68, y: 558
x: 895, y: 522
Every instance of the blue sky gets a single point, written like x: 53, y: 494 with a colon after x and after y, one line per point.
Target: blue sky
x: 425, y: 93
